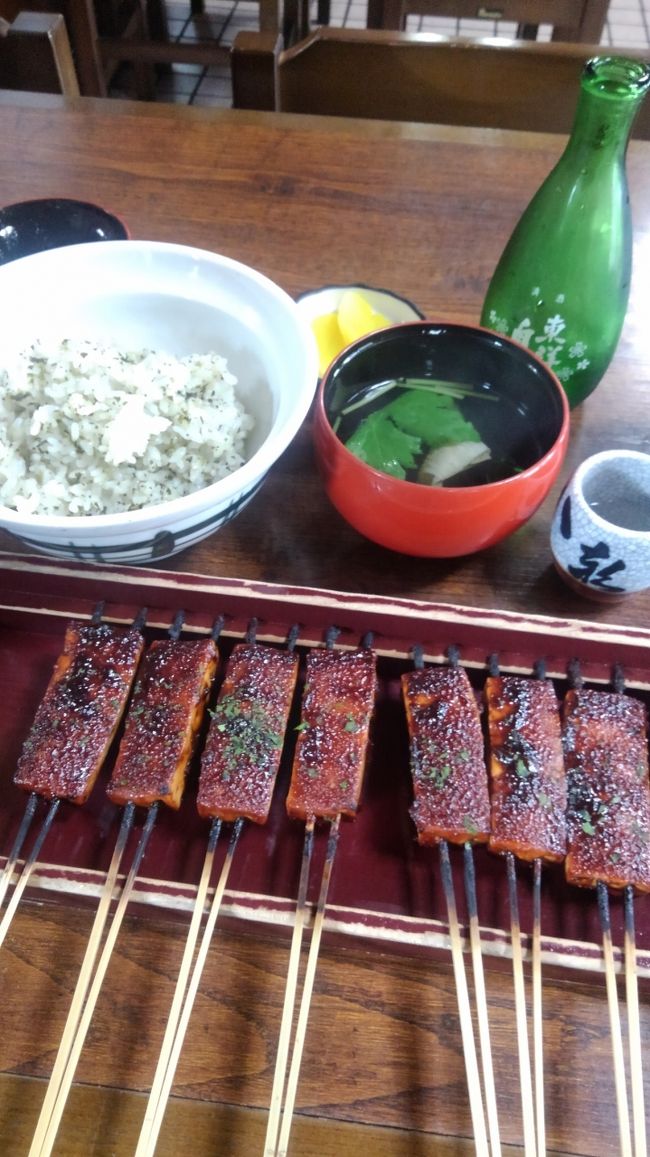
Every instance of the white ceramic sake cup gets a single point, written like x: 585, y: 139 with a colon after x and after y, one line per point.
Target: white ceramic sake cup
x: 600, y: 534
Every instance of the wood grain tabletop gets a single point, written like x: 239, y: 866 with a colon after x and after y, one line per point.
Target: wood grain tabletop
x: 424, y: 211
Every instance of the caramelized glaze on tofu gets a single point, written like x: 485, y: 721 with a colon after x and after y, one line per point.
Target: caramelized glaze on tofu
x: 528, y: 798
x: 162, y: 723
x: 331, y: 748
x: 608, y: 817
x: 240, y: 761
x: 80, y: 711
x: 447, y: 758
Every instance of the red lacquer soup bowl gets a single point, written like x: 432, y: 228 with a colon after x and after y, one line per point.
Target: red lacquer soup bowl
x: 472, y: 426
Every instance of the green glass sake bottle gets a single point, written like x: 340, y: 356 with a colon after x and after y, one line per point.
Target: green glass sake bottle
x: 562, y: 284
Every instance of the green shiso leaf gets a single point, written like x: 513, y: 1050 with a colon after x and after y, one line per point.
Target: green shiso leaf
x: 380, y: 443
x: 435, y: 418
x: 393, y: 438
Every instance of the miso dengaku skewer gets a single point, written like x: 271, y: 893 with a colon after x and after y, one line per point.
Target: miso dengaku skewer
x: 330, y: 757
x: 239, y: 767
x: 74, y: 726
x: 451, y: 803
x: 529, y: 795
x: 528, y: 823
x: 162, y: 723
x: 528, y: 807
x: 242, y: 752
x: 30, y: 809
x: 80, y: 711
x: 606, y: 752
x: 326, y: 782
x: 450, y: 787
x: 608, y: 817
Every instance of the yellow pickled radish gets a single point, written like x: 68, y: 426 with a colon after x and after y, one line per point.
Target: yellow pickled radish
x: 356, y: 317
x: 329, y: 339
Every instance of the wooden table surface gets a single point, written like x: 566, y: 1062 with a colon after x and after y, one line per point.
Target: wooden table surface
x: 424, y: 211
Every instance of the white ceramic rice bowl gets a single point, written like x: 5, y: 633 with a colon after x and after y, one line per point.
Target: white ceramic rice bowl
x: 179, y: 300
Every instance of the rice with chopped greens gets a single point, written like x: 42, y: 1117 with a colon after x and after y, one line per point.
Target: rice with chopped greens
x: 90, y: 429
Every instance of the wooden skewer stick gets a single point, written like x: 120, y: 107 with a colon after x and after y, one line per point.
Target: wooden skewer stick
x: 28, y: 867
x: 181, y: 983
x: 25, y: 823
x: 464, y: 1010
x: 286, y: 1023
x: 527, y: 1107
x: 85, y: 976
x: 46, y: 1135
x: 308, y: 985
x: 538, y: 1019
x: 173, y: 1043
x: 634, y: 1028
x: 614, y: 1022
x: 481, y: 1002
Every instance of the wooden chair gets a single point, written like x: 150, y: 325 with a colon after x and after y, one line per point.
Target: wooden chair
x: 106, y: 33
x: 91, y: 24
x: 581, y: 21
x: 35, y: 54
x: 510, y: 84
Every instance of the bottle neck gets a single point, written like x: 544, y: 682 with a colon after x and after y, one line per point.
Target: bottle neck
x: 602, y: 126
x: 612, y: 90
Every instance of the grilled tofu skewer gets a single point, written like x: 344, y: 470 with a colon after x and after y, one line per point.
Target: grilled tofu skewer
x: 606, y: 752
x: 73, y: 729
x: 239, y: 768
x: 451, y: 805
x: 151, y: 766
x: 528, y: 822
x: 326, y: 781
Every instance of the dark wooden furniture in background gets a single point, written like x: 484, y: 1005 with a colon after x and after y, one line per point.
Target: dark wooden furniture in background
x: 106, y: 33
x: 515, y: 84
x: 91, y: 26
x: 571, y: 20
x: 35, y: 54
x: 424, y: 210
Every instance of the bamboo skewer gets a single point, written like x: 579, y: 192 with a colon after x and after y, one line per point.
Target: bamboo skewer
x: 181, y: 982
x: 27, y: 870
x: 279, y: 1076
x: 85, y: 976
x: 527, y: 1106
x: 464, y: 1010
x: 634, y: 1028
x: 308, y: 984
x: 12, y: 858
x: 632, y: 996
x: 170, y: 1053
x: 622, y: 1107
x: 45, y: 1136
x: 538, y: 1018
x: 481, y: 1003
x: 188, y: 982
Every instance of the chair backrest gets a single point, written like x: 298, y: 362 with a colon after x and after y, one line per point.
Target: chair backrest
x: 490, y: 83
x: 35, y: 54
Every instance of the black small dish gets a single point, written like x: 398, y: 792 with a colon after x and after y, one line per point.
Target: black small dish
x: 51, y: 222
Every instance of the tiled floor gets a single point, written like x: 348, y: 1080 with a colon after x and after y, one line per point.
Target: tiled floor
x: 628, y: 26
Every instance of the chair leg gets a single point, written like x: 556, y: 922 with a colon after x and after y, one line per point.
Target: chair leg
x: 197, y: 7
x: 323, y: 12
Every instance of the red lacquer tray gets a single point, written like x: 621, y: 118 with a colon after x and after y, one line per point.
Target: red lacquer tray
x: 384, y: 887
